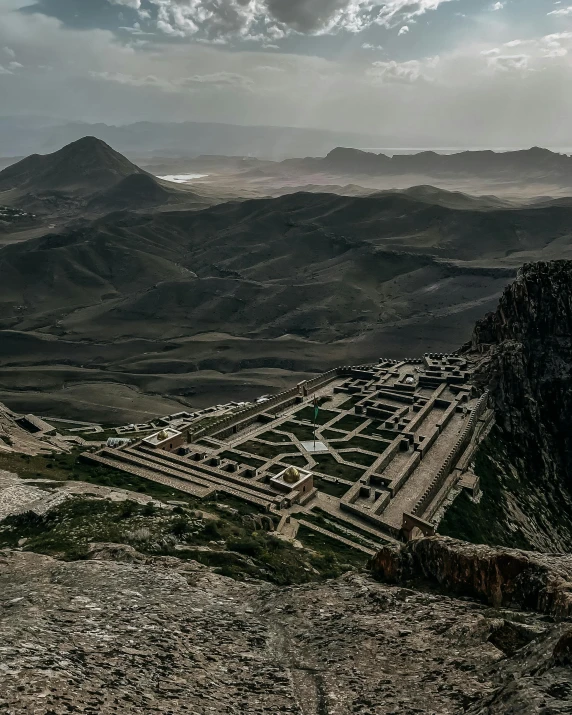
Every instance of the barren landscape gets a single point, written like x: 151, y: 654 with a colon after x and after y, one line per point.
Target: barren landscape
x: 123, y: 294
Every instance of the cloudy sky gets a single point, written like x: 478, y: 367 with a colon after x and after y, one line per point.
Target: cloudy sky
x: 478, y: 72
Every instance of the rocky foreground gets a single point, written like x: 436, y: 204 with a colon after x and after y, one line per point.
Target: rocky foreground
x: 124, y: 633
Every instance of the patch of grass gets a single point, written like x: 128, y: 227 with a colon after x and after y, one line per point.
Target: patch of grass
x: 373, y: 431
x: 358, y: 458
x: 297, y: 461
x: 307, y: 413
x: 326, y: 545
x: 265, y: 450
x: 71, y: 467
x: 232, y: 546
x: 350, y: 403
x: 337, y: 526
x: 334, y: 489
x: 272, y: 436
x: 303, y: 432
x: 341, y: 522
x: 332, y: 434
x: 372, y: 445
x: 488, y: 521
x: 349, y: 423
x: 326, y: 464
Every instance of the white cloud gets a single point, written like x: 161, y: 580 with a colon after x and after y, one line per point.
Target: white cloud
x: 509, y: 63
x: 9, y: 52
x: 391, y: 72
x: 15, y: 65
x: 563, y: 11
x: 404, y: 30
x: 3, y: 70
x: 135, y: 4
x: 218, y: 80
x: 498, y: 6
x: 275, y: 19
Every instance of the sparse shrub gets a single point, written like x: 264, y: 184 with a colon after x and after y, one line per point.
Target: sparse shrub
x: 149, y: 509
x: 212, y: 531
x: 180, y: 527
x: 248, y: 545
x: 141, y: 534
x: 128, y: 509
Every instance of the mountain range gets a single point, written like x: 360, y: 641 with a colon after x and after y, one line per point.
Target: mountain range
x: 24, y: 135
x: 242, y: 296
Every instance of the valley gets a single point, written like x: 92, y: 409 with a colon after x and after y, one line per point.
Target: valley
x: 127, y: 306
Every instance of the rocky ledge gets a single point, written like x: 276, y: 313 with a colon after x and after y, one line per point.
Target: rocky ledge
x: 121, y: 632
x: 499, y: 577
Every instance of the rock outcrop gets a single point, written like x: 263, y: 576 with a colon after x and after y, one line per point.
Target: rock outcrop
x: 529, y: 370
x: 525, y: 349
x: 500, y: 577
x: 125, y: 633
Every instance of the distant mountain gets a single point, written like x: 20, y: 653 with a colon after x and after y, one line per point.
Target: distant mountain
x: 536, y: 163
x: 85, y: 166
x: 181, y: 138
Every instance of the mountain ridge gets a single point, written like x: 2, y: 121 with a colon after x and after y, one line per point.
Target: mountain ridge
x: 85, y: 165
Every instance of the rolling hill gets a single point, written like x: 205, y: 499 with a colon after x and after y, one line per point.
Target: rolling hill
x: 234, y: 299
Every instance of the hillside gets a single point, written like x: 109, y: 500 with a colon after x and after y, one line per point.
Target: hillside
x: 86, y: 165
x: 242, y: 297
x: 141, y: 191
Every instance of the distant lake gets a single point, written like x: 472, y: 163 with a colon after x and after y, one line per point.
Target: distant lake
x: 182, y: 178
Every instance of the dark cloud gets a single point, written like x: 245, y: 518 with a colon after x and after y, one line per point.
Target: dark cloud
x: 233, y: 19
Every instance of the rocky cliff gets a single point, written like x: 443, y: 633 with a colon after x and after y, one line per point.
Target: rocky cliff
x: 500, y: 577
x: 525, y: 349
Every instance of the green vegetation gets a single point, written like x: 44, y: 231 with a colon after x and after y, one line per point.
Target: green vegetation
x: 349, y: 423
x: 351, y: 402
x: 297, y: 461
x: 307, y: 413
x: 373, y: 431
x: 272, y: 436
x: 337, y: 550
x: 233, y: 543
x: 303, y: 432
x: 334, y: 489
x: 326, y: 464
x: 488, y: 521
x: 371, y: 445
x: 341, y: 522
x: 333, y: 434
x: 337, y: 526
x: 264, y: 450
x: 359, y: 458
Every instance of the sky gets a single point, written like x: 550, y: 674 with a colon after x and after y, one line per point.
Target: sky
x: 475, y: 72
